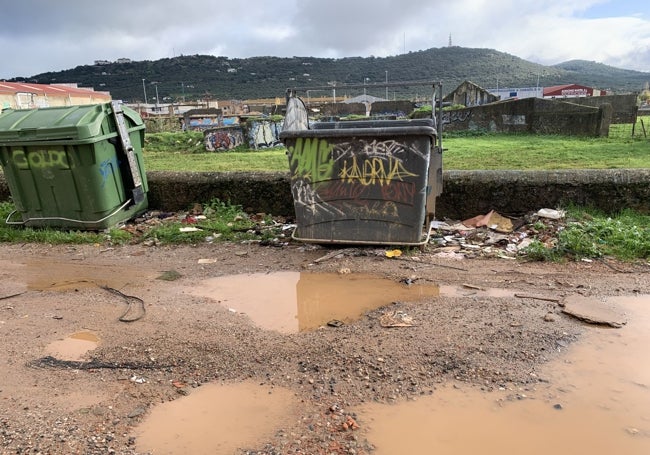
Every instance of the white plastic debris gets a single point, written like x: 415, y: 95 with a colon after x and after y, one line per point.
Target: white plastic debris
x: 551, y: 214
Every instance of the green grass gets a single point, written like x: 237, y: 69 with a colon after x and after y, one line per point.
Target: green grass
x: 593, y: 234
x: 534, y: 152
x: 463, y: 151
x: 220, y: 221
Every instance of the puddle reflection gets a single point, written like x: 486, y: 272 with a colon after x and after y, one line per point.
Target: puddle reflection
x: 290, y: 302
x: 597, y: 402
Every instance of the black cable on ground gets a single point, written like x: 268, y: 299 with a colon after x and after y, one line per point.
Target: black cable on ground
x: 129, y: 299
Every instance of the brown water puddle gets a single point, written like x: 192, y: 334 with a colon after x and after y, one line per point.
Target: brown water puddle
x: 217, y: 419
x: 597, y: 402
x: 73, y: 347
x: 46, y: 275
x: 290, y: 302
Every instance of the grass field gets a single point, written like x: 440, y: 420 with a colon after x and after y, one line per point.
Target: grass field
x: 185, y: 152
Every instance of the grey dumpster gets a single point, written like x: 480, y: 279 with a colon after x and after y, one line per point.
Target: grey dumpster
x: 363, y: 182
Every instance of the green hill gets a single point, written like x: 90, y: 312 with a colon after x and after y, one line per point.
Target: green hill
x: 208, y: 77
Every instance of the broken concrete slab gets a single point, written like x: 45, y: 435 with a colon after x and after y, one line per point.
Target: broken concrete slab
x: 593, y: 311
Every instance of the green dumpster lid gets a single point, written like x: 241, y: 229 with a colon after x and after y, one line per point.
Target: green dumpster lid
x: 75, y: 124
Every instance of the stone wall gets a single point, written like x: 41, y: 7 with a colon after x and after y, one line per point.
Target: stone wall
x: 465, y: 193
x: 342, y: 109
x: 532, y: 115
x: 624, y: 107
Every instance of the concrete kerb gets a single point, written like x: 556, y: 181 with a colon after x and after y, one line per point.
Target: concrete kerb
x: 465, y: 193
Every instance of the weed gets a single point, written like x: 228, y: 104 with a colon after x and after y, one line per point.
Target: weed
x: 593, y: 234
x: 538, y: 251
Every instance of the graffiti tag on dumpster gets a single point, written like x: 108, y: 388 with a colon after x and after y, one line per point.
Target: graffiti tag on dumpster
x: 107, y: 168
x: 364, y: 178
x: 42, y: 158
x: 312, y: 160
x: 374, y: 171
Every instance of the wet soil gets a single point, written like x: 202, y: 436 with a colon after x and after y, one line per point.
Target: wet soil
x: 159, y: 338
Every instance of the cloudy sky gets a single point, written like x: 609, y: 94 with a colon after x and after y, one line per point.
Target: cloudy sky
x: 45, y: 35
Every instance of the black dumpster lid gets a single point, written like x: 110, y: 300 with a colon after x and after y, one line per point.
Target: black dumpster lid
x: 378, y: 128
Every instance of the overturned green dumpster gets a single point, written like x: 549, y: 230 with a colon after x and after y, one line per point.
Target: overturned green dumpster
x: 362, y: 182
x: 74, y: 167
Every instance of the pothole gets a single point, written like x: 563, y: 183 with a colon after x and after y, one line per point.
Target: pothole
x: 291, y: 302
x: 74, y: 346
x: 217, y: 418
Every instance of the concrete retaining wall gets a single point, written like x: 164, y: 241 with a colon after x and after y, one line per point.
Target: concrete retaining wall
x: 465, y: 193
x: 532, y: 115
x: 624, y: 107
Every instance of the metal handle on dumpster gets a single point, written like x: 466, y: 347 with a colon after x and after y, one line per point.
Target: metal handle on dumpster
x: 127, y: 147
x: 18, y: 223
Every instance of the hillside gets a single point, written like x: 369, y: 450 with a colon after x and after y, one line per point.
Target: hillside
x: 209, y: 77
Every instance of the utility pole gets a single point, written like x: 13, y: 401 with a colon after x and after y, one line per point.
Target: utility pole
x: 386, y: 85
x: 156, y: 85
x: 144, y: 88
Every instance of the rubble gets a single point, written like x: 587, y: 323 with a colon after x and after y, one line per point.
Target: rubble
x: 494, y: 235
x: 486, y: 235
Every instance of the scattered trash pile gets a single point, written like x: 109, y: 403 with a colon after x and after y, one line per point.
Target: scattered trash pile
x: 494, y: 235
x: 200, y: 225
x: 488, y: 235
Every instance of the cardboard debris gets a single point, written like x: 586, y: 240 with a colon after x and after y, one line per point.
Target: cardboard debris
x: 491, y: 220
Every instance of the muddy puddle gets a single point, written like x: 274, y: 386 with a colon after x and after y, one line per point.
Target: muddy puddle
x: 217, y: 419
x: 74, y: 346
x: 46, y: 275
x: 596, y: 401
x: 291, y: 302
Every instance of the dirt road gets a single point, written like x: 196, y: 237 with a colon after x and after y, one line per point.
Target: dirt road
x: 495, y: 322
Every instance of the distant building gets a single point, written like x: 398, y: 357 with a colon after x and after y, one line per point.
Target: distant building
x: 518, y: 93
x: 23, y: 95
x: 123, y: 60
x: 469, y: 94
x: 571, y: 91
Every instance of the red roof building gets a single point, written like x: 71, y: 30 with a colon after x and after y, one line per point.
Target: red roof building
x: 23, y: 95
x: 571, y: 91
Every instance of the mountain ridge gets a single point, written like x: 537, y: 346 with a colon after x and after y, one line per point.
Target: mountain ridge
x: 190, y: 77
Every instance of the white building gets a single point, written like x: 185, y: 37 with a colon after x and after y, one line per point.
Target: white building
x: 518, y: 93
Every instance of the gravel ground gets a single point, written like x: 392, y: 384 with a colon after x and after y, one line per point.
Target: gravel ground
x: 170, y: 335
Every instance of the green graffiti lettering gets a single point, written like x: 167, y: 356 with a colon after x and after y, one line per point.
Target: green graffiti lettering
x: 311, y: 160
x: 373, y: 171
x: 19, y: 159
x: 40, y: 158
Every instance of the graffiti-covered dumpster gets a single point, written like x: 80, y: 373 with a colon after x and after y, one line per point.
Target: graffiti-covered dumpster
x: 76, y: 167
x: 362, y: 182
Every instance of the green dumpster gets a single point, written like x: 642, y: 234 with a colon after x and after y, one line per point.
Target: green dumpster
x: 75, y: 167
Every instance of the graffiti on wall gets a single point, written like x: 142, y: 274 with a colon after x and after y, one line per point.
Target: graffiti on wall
x: 456, y: 116
x: 264, y: 134
x: 221, y: 139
